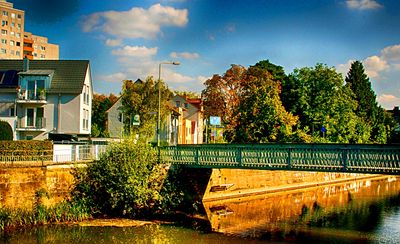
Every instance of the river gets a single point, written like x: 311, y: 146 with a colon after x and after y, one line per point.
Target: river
x: 357, y: 211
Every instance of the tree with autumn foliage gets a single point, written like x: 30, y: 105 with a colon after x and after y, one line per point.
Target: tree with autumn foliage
x: 141, y: 98
x: 221, y: 97
x: 100, y: 104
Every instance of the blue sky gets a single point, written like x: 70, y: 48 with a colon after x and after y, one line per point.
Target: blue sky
x: 126, y: 39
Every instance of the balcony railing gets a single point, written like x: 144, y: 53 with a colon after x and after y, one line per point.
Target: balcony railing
x: 30, y: 124
x: 30, y: 96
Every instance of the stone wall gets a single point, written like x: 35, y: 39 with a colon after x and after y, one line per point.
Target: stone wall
x: 228, y: 183
x: 19, y: 185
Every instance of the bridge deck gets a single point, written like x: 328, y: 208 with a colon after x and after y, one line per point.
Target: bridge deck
x: 351, y: 158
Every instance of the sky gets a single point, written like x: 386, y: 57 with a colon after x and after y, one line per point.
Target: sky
x: 128, y: 39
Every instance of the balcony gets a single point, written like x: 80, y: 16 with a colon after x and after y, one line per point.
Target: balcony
x: 32, y: 97
x: 30, y: 124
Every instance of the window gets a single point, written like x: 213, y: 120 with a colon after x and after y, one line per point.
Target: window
x: 186, y: 105
x: 12, y: 52
x: 4, y: 32
x: 19, y: 26
x: 42, y: 48
x: 11, y: 43
x: 19, y: 16
x: 5, y: 13
x: 35, y: 55
x: 120, y: 117
x: 18, y: 35
x: 87, y: 95
x: 13, y: 15
x: 12, y: 112
x: 3, y: 50
x: 12, y: 24
x: 3, y: 41
x: 4, y: 23
x: 177, y: 104
x: 17, y: 53
x: 85, y: 120
x: 18, y: 44
x: 42, y: 56
x: 29, y: 117
x: 12, y: 33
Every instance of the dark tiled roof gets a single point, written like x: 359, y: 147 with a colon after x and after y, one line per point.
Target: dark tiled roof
x: 69, y: 75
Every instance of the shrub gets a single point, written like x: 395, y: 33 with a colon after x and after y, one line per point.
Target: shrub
x: 124, y: 182
x: 6, y: 132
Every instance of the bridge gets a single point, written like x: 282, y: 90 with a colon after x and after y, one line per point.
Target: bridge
x: 348, y: 158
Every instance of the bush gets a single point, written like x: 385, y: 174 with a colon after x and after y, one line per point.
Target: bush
x: 124, y: 182
x: 6, y: 132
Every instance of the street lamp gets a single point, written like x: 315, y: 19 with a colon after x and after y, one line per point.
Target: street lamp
x: 159, y: 98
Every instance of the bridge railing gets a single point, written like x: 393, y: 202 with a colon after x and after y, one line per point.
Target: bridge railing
x: 355, y: 158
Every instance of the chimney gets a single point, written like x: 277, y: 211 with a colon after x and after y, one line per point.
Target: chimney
x: 25, y: 65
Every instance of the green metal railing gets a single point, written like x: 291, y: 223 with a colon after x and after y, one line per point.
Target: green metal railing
x: 350, y: 158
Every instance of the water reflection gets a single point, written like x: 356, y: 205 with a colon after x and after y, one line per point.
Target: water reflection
x: 352, y: 211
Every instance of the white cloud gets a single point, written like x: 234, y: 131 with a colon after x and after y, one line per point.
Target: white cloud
x: 388, y: 101
x: 185, y: 55
x: 116, y: 77
x: 113, y: 42
x: 374, y: 65
x: 363, y: 4
x: 135, y: 51
x: 391, y: 53
x: 136, y: 22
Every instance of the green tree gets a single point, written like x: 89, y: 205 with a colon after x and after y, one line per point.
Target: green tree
x: 100, y: 104
x: 142, y: 99
x: 277, y: 72
x: 318, y: 96
x: 6, y: 132
x: 262, y: 115
x: 368, y: 108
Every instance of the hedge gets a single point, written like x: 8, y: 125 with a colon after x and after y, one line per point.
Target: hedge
x: 26, y: 148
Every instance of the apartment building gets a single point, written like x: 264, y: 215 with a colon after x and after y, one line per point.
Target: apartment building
x: 12, y: 31
x: 16, y: 43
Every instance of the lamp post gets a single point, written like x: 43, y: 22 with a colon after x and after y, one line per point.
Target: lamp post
x: 159, y: 98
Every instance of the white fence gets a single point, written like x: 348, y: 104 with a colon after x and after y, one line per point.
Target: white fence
x: 61, y: 153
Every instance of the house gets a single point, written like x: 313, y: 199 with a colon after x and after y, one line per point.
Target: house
x: 190, y: 128
x: 183, y: 125
x: 44, y: 99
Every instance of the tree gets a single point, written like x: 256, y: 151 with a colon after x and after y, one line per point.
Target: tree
x: 6, y: 132
x: 368, y: 109
x: 142, y: 99
x: 100, y: 104
x: 262, y: 115
x: 221, y: 97
x: 325, y: 106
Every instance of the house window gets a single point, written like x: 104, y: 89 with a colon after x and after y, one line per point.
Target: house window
x: 178, y: 104
x: 11, y: 43
x: 30, y: 117
x: 3, y: 51
x: 4, y: 22
x: 120, y: 117
x: 18, y: 44
x: 42, y: 48
x: 18, y: 35
x: 12, y: 112
x: 42, y: 56
x: 12, y: 24
x: 5, y: 13
x: 19, y: 16
x: 13, y: 15
x: 19, y: 26
x: 12, y: 52
x: 186, y: 105
x: 4, y: 32
x: 12, y: 33
x: 29, y: 138
x: 3, y: 41
x: 17, y: 53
